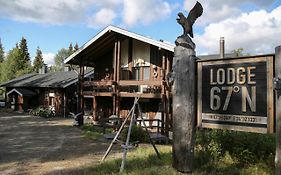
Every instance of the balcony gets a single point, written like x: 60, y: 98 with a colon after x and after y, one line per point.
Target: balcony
x: 125, y: 88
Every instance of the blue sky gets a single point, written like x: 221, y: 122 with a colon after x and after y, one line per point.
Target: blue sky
x: 254, y: 25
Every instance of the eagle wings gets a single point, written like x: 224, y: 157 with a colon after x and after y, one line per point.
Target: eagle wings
x: 187, y: 23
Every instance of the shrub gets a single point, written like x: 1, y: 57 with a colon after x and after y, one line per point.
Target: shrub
x: 243, y: 146
x: 43, y: 112
x: 137, y: 134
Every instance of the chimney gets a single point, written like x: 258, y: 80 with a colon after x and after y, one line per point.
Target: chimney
x: 67, y: 68
x: 44, y: 69
x: 221, y: 47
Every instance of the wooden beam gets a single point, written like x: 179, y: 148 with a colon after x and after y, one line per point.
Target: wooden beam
x: 115, y: 77
x: 141, y: 82
x: 97, y: 94
x: 278, y: 111
x: 115, y: 61
x: 151, y: 72
x: 130, y: 55
x: 95, y: 117
x: 141, y: 72
x: 99, y: 83
x: 118, y: 64
x: 168, y: 67
x: 80, y: 104
x: 141, y: 95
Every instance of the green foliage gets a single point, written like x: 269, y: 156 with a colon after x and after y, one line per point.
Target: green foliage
x: 137, y: 134
x: 43, y: 112
x: 17, y: 62
x: 92, y: 132
x: 70, y: 49
x: 59, y: 59
x: 217, y: 152
x: 142, y: 160
x: 38, y: 60
x: 11, y: 66
x: 76, y: 47
x: 245, y: 147
x: 238, y: 52
x: 24, y: 63
x: 1, y: 52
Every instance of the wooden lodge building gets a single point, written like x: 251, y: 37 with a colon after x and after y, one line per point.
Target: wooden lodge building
x: 126, y: 65
x: 56, y: 90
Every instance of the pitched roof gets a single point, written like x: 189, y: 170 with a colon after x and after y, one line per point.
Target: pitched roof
x: 22, y: 92
x: 216, y: 56
x: 116, y: 30
x: 52, y: 79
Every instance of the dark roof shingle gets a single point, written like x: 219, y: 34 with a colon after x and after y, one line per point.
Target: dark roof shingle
x: 52, y: 79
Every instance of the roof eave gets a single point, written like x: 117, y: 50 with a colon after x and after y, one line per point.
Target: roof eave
x: 109, y: 28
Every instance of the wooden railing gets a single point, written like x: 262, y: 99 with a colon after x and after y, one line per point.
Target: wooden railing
x: 125, y: 88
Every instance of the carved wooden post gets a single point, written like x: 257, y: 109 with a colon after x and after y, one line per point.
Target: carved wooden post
x: 184, y: 93
x: 184, y: 108
x: 278, y: 109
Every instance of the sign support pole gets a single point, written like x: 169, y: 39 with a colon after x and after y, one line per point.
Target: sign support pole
x: 277, y: 83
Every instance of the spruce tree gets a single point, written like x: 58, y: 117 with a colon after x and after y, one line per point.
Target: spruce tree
x: 24, y: 50
x: 70, y: 49
x: 24, y: 61
x: 76, y: 47
x: 38, y: 60
x: 1, y: 52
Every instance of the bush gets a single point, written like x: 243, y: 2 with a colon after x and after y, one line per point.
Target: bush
x: 137, y: 134
x: 243, y: 146
x: 43, y: 112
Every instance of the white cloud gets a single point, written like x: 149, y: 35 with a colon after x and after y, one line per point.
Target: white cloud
x: 42, y: 11
x: 256, y: 32
x: 49, y: 58
x: 102, y: 18
x: 217, y: 10
x: 145, y: 11
x: 90, y: 12
x: 54, y: 12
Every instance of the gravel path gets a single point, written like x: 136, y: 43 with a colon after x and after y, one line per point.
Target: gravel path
x: 32, y: 145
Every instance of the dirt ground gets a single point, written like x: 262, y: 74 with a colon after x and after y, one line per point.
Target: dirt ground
x: 32, y: 145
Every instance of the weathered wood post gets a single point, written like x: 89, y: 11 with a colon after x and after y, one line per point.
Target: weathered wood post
x: 184, y: 94
x: 277, y: 83
x: 184, y: 105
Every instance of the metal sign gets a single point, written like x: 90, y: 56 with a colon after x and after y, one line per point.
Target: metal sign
x: 236, y: 94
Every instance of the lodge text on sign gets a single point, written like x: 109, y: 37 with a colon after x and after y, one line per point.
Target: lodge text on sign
x: 230, y: 76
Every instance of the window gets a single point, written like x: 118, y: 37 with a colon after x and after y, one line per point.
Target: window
x: 146, y: 73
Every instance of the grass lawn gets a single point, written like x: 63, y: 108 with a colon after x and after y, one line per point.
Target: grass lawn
x: 211, y: 156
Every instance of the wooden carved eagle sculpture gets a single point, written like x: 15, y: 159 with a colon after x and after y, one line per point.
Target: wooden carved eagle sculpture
x: 187, y: 23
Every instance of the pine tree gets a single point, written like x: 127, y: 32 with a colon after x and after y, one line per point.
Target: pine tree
x: 1, y: 52
x: 76, y: 47
x: 24, y: 50
x: 24, y: 61
x: 70, y: 49
x: 38, y: 60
